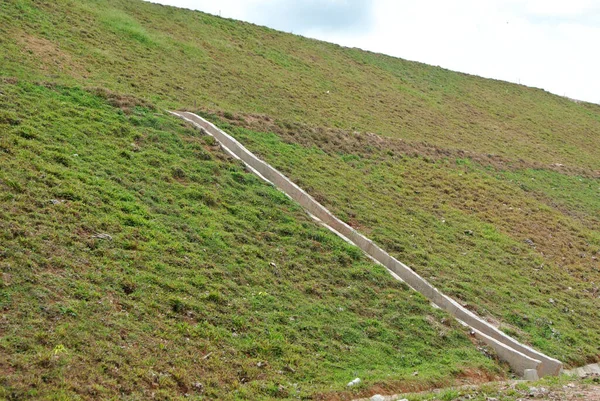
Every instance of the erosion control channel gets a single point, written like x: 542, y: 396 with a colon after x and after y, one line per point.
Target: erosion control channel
x: 520, y: 357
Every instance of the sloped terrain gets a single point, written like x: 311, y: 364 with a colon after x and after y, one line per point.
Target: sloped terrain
x: 508, y: 243
x: 180, y: 58
x: 137, y: 260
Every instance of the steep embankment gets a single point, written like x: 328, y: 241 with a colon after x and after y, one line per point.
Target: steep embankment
x: 488, y: 189
x: 137, y: 259
x: 507, y: 242
x: 181, y: 58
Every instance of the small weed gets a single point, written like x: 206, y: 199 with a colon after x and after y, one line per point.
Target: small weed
x: 216, y: 297
x: 14, y: 185
x: 178, y: 173
x: 61, y: 159
x: 26, y: 132
x: 128, y: 287
x: 177, y: 305
x: 67, y: 310
x: 9, y: 118
x: 59, y: 349
x: 209, y: 140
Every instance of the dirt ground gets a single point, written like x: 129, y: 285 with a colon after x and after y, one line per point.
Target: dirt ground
x: 509, y: 391
x: 568, y: 392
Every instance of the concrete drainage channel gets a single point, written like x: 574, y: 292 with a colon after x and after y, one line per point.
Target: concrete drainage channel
x: 523, y: 360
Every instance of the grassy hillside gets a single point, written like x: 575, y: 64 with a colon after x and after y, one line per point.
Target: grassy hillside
x: 512, y: 245
x: 181, y: 58
x: 138, y: 261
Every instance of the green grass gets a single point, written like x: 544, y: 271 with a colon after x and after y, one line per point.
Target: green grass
x: 506, y: 243
x: 179, y: 58
x: 138, y: 260
x: 576, y: 196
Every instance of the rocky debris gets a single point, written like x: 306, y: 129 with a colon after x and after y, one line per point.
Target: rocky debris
x: 6, y: 279
x: 289, y: 369
x: 354, y: 382
x: 199, y: 387
x: 537, y: 392
x: 569, y: 392
x: 104, y: 236
x: 379, y: 397
x: 275, y: 269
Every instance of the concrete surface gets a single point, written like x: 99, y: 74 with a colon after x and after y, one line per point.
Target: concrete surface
x: 585, y: 371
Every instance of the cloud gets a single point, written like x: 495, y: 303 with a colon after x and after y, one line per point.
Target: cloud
x: 310, y: 15
x: 550, y: 44
x: 299, y: 16
x: 556, y: 8
x: 494, y: 39
x: 581, y: 12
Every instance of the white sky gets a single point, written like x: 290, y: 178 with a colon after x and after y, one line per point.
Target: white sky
x: 549, y: 44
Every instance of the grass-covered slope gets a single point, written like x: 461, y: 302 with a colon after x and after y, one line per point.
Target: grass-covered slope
x: 180, y: 58
x: 520, y: 247
x: 137, y: 262
x: 135, y: 259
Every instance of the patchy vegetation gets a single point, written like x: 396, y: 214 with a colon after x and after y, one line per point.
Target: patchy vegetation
x: 503, y: 242
x: 138, y: 261
x: 179, y: 58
